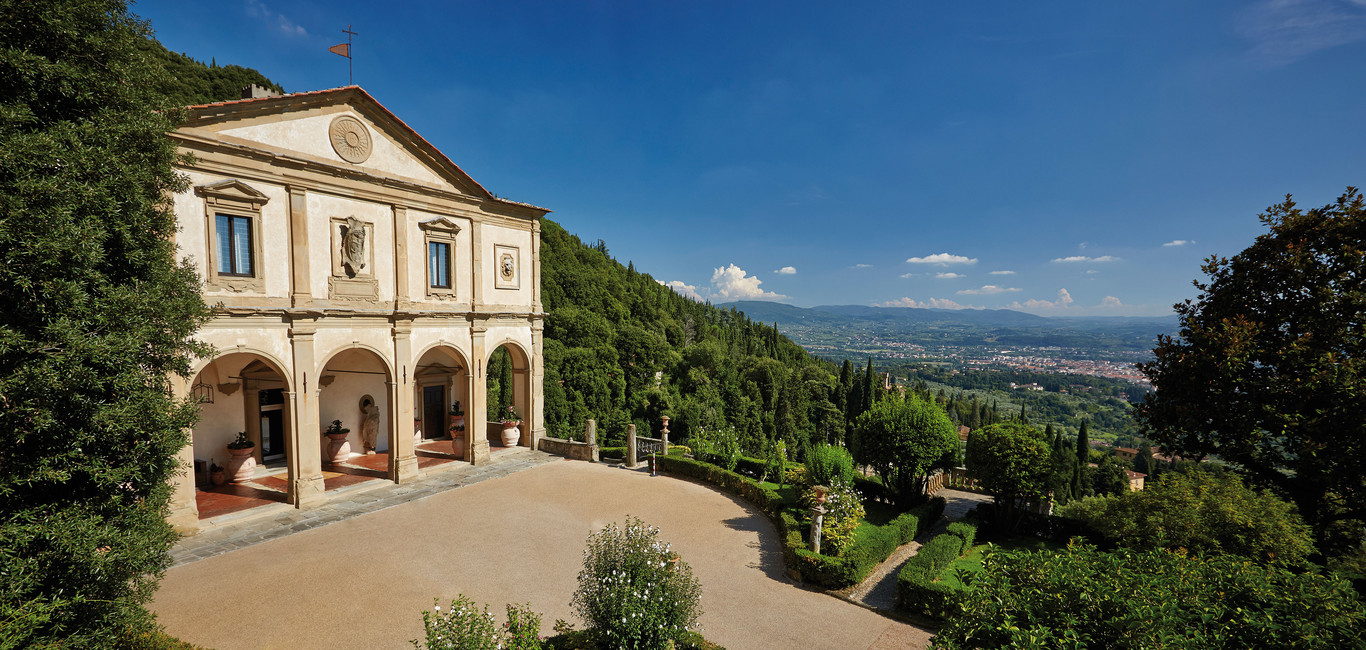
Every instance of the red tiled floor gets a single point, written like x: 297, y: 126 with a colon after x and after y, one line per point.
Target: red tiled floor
x: 236, y: 497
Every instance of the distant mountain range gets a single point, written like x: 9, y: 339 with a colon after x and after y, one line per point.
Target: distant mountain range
x: 849, y: 327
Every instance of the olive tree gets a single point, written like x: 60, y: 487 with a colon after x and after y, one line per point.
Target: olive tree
x: 1269, y: 367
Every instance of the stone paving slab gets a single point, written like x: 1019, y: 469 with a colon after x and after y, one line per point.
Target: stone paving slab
x: 368, y: 497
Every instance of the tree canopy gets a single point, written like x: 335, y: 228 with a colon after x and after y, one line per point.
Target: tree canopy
x: 96, y: 316
x: 1267, y: 372
x: 1012, y: 461
x: 903, y: 439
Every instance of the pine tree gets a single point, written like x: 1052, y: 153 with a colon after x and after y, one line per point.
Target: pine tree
x: 95, y: 317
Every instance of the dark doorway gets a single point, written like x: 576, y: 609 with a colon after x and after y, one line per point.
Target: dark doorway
x: 433, y: 412
x: 272, y: 404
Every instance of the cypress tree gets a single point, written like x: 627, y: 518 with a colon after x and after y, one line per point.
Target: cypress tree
x: 869, y: 388
x: 96, y: 318
x: 1083, y: 455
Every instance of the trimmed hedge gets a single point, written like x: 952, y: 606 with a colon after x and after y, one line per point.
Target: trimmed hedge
x: 872, y: 544
x: 965, y: 531
x: 916, y: 589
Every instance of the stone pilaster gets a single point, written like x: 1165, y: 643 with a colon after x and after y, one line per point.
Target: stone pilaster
x: 535, y: 398
x: 184, y: 515
x: 304, y: 454
x: 476, y: 424
x: 302, y: 290
x: 402, y: 294
x: 402, y: 453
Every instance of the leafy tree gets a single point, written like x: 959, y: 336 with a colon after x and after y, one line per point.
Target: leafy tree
x: 1110, y: 477
x: 903, y: 440
x: 1203, y: 513
x: 1269, y: 367
x: 1084, y: 598
x: 96, y: 316
x: 1011, y: 461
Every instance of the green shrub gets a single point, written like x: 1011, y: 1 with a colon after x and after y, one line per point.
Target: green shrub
x: 916, y: 589
x: 829, y: 465
x: 1082, y: 597
x: 462, y: 627
x: 796, y: 475
x: 633, y: 590
x: 843, y: 514
x: 965, y: 531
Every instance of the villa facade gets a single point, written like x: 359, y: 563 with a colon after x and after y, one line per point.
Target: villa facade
x: 358, y: 275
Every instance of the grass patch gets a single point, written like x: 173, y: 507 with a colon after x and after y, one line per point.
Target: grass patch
x: 972, y: 562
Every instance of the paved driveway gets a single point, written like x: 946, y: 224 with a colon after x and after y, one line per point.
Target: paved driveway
x: 363, y: 582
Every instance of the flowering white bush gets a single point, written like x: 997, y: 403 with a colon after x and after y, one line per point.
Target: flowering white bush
x: 634, y: 591
x: 465, y: 627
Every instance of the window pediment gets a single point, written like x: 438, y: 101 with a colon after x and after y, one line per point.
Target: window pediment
x: 232, y: 191
x: 440, y: 224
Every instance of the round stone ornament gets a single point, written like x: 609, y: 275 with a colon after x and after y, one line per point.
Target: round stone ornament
x: 350, y: 139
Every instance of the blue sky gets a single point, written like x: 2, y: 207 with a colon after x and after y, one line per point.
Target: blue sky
x: 1062, y: 158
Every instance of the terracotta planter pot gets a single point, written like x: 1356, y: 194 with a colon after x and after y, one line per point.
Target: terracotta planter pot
x: 339, y: 448
x: 511, y: 434
x: 242, y: 464
x: 218, y: 477
x: 458, y: 446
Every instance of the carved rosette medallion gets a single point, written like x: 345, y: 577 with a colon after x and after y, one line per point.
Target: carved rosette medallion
x: 350, y: 139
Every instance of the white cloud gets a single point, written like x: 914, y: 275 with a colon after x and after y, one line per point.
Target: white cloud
x: 1083, y: 258
x: 1063, y: 302
x: 987, y: 290
x: 932, y: 303
x: 942, y: 259
x: 1091, y: 271
x: 685, y: 290
x: 909, y: 275
x: 862, y: 266
x: 949, y: 276
x: 1179, y: 242
x: 258, y: 9
x: 787, y: 270
x: 1283, y: 31
x: 1111, y: 301
x: 731, y: 283
x: 1002, y: 273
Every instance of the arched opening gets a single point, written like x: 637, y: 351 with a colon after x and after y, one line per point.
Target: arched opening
x: 354, y: 398
x: 242, y: 395
x: 441, y: 401
x: 508, y: 390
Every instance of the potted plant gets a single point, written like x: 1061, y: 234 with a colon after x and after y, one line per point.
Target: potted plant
x: 511, y: 434
x: 457, y: 430
x: 216, y: 474
x: 339, y: 449
x: 242, y: 464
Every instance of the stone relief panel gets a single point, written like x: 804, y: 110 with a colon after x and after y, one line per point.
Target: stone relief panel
x: 350, y: 139
x: 507, y: 272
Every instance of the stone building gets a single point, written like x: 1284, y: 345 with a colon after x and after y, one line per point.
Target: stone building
x: 358, y: 275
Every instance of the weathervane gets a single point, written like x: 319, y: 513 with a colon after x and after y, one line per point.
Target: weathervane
x: 344, y: 49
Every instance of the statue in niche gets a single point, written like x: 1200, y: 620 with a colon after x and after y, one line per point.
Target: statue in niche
x: 369, y: 423
x: 353, y: 246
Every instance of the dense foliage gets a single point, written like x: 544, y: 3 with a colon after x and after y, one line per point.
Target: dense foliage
x: 188, y: 82
x: 1270, y: 366
x: 96, y: 316
x: 1010, y: 460
x: 829, y: 465
x: 903, y: 440
x: 634, y: 591
x: 1203, y: 513
x: 1084, y: 598
x: 621, y: 348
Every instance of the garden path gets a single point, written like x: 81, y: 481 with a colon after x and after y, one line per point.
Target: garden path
x: 879, y: 588
x: 363, y: 582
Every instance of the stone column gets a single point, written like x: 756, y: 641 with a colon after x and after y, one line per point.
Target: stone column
x: 402, y: 452
x: 305, y: 487
x: 476, y: 426
x: 664, y: 436
x: 631, y: 446
x: 298, y: 245
x: 184, y: 515
x: 590, y: 436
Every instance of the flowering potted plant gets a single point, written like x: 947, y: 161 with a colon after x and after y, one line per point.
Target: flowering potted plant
x: 216, y: 474
x: 457, y: 430
x: 242, y: 464
x: 339, y: 449
x: 511, y: 434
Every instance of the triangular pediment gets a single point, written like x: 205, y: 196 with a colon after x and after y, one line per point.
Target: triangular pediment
x: 343, y: 129
x: 232, y: 190
x: 440, y: 224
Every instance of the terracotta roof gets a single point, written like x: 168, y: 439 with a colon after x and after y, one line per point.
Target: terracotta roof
x: 390, y: 114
